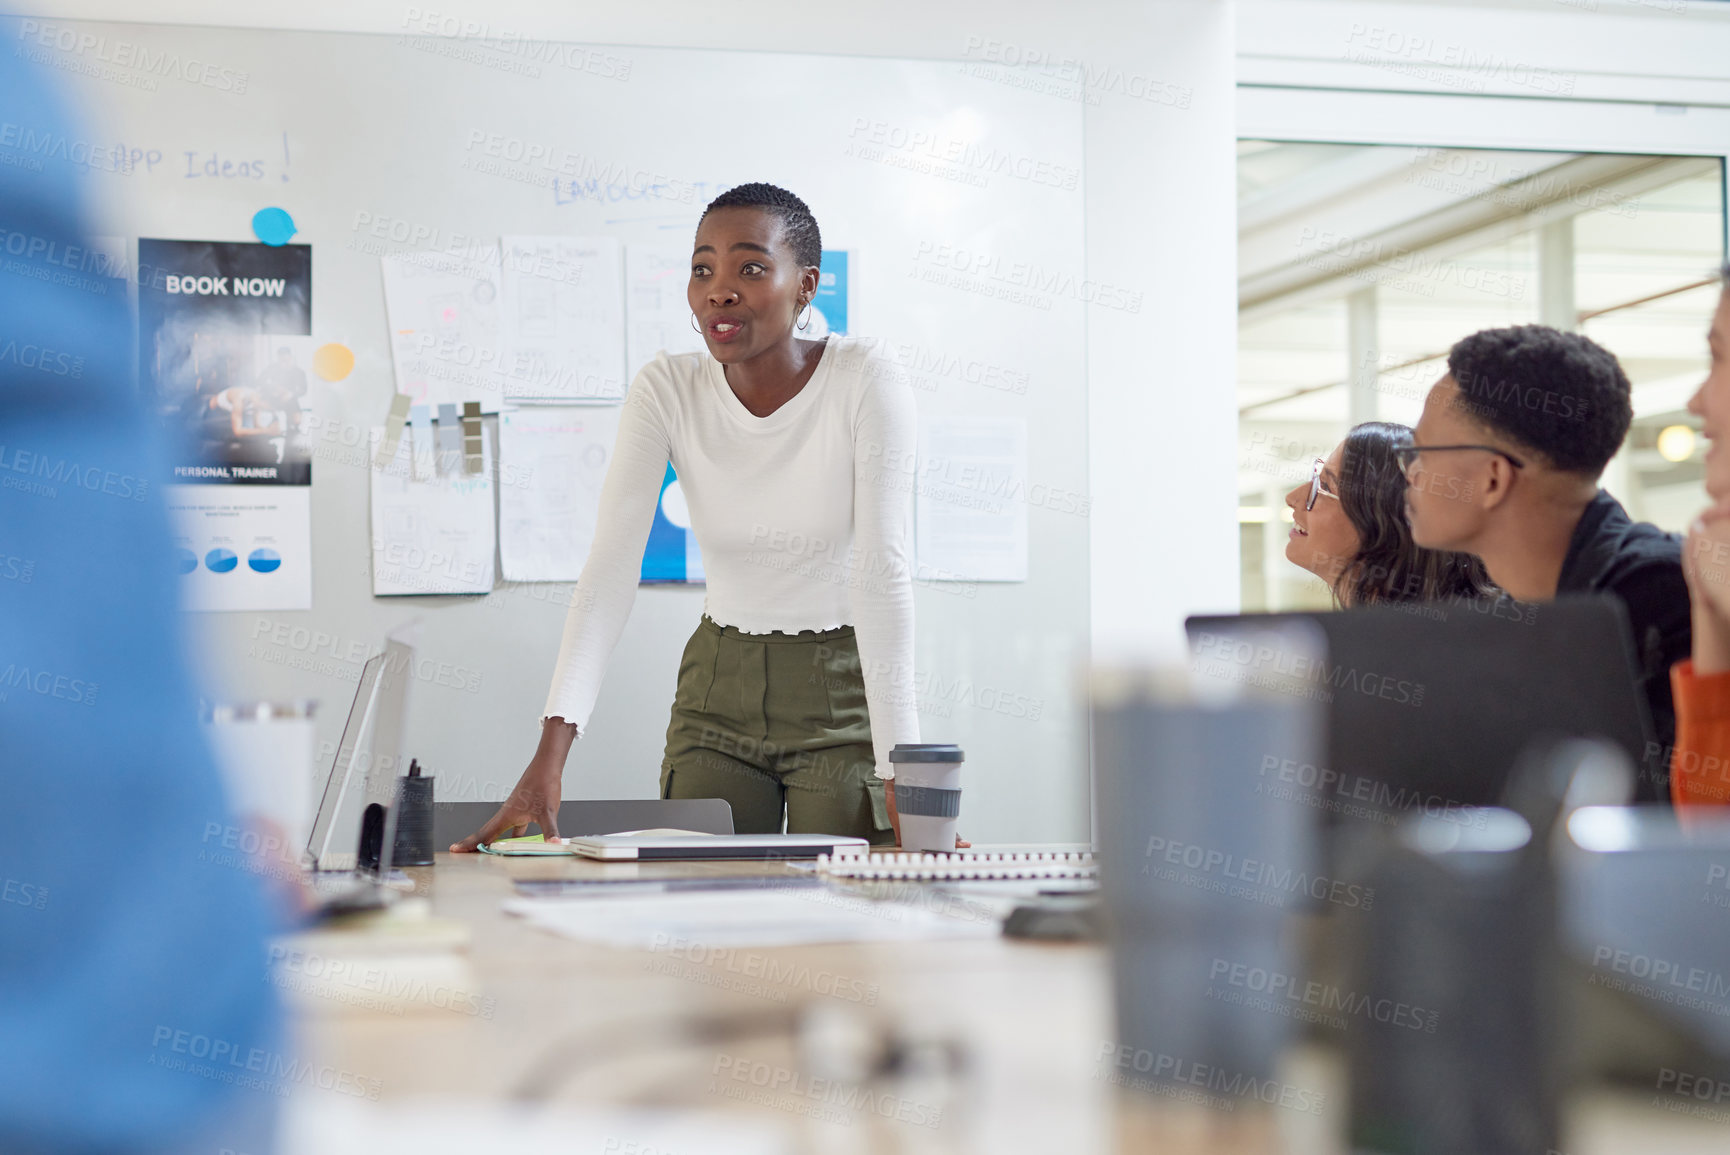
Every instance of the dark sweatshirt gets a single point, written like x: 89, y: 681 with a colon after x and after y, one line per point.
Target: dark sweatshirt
x: 1642, y: 566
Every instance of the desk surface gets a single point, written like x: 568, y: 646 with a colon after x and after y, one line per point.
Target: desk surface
x: 521, y: 1012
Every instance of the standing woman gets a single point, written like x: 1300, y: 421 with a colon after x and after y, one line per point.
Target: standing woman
x: 796, y: 461
x: 1349, y: 528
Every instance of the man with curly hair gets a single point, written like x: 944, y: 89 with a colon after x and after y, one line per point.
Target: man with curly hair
x: 1505, y: 463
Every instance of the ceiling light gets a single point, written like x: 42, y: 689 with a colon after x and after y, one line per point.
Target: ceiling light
x: 1676, y: 443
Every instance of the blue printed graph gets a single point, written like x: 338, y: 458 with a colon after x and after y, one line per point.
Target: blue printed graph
x: 671, y: 553
x: 220, y: 560
x: 264, y: 560
x: 185, y: 561
x: 831, y: 298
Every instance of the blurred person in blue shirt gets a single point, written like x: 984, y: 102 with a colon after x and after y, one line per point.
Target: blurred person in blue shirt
x: 134, y: 1008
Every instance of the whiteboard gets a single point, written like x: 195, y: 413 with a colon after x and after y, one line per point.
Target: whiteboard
x: 958, y: 194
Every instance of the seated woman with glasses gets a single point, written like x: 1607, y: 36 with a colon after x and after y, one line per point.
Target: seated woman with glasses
x: 1349, y: 528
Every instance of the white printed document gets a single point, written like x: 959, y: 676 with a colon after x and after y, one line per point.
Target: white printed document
x: 443, y: 310
x: 768, y: 917
x: 243, y: 547
x: 657, y: 309
x: 552, y: 460
x: 563, y: 321
x: 434, y: 536
x: 970, y: 507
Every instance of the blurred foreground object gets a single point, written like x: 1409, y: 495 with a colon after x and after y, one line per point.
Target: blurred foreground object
x: 132, y: 967
x: 1202, y: 865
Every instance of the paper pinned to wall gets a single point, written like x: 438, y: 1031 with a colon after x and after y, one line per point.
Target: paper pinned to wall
x: 563, y: 322
x: 243, y: 547
x: 971, y: 503
x: 657, y: 310
x: 434, y: 536
x: 226, y: 368
x: 552, y: 461
x: 443, y: 310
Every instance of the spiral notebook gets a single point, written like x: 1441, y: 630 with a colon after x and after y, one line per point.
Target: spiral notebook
x: 954, y: 867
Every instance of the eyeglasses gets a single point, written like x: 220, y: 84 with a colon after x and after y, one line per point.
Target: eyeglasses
x: 1407, y: 456
x: 1316, y: 489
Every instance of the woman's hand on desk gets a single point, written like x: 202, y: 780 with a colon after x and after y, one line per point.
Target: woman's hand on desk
x: 536, y: 795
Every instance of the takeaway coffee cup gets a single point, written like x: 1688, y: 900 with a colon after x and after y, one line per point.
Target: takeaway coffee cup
x: 927, y: 794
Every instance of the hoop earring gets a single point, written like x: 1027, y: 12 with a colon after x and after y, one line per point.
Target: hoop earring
x: 807, y: 315
x: 694, y: 327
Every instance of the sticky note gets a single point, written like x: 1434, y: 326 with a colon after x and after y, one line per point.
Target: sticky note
x: 450, y: 439
x: 333, y: 362
x: 471, y: 436
x: 392, y: 430
x: 420, y: 420
x: 273, y: 226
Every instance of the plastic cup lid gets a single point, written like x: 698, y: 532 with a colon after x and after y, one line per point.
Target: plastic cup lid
x: 926, y: 752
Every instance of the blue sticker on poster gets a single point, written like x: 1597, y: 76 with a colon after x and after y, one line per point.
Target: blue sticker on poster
x: 671, y: 554
x: 829, y: 306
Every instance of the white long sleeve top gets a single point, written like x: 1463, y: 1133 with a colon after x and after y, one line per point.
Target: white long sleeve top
x: 801, y: 517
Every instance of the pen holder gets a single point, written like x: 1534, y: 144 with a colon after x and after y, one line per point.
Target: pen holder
x: 414, y: 826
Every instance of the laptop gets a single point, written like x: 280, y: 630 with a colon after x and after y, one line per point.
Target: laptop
x: 354, y: 798
x: 665, y: 847
x: 1430, y: 706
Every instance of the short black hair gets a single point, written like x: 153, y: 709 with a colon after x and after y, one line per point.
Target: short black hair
x: 798, y: 226
x: 1558, y: 394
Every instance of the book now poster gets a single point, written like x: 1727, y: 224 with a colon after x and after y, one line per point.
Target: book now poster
x: 224, y: 349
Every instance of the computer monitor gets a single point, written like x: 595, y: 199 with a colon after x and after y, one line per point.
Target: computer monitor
x: 1430, y: 705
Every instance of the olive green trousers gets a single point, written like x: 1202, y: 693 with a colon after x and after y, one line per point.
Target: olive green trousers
x: 776, y: 723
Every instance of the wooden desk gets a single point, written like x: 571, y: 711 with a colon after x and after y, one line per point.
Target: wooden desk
x: 525, y: 1011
